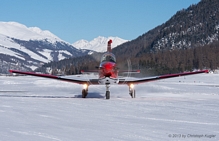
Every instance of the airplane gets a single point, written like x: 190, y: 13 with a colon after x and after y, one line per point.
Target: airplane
x: 108, y: 75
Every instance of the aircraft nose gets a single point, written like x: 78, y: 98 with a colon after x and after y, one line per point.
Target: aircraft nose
x: 108, y: 69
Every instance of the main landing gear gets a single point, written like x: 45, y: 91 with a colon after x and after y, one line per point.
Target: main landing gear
x: 132, y: 90
x: 85, y: 91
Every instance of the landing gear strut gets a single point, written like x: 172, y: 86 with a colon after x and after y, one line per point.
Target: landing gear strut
x: 107, y: 92
x: 85, y: 91
x: 132, y: 90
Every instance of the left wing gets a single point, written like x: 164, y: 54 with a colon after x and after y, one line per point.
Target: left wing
x: 137, y: 81
x: 90, y: 81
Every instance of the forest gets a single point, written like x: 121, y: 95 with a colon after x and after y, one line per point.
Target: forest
x: 155, y: 63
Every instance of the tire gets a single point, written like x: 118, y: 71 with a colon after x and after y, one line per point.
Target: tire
x: 84, y: 93
x: 107, y: 94
x: 132, y: 93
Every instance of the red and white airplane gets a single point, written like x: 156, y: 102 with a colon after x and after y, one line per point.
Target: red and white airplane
x: 108, y: 75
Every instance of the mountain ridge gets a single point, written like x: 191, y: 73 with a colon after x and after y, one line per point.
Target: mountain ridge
x: 99, y: 43
x: 22, y: 32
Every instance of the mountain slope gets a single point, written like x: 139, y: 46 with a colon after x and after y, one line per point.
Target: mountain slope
x: 98, y: 44
x: 28, y: 48
x: 195, y: 26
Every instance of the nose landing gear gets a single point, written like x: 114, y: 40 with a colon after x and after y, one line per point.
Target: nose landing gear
x: 107, y: 92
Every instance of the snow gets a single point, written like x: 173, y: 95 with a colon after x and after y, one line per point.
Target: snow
x: 4, y: 50
x: 47, y: 54
x: 183, y: 108
x: 20, y: 31
x: 217, y: 27
x: 6, y: 43
x: 60, y: 56
x: 98, y: 44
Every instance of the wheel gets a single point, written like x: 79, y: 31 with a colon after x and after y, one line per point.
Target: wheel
x: 84, y: 93
x: 107, y: 94
x: 132, y: 93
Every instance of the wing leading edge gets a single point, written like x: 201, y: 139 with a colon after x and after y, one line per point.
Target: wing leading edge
x: 91, y: 81
x: 160, y: 77
x: 121, y: 81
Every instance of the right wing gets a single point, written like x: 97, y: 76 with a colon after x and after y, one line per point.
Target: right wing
x: 144, y: 80
x: 89, y: 82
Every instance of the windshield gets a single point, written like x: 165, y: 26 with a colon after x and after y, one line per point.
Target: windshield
x: 108, y: 57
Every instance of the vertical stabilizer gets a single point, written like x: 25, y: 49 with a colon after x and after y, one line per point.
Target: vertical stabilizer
x: 109, y: 46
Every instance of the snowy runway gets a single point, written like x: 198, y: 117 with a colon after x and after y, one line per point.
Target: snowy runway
x: 184, y: 108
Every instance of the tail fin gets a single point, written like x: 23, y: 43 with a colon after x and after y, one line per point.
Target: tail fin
x: 109, y: 46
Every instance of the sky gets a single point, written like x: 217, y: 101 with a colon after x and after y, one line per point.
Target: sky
x: 73, y: 20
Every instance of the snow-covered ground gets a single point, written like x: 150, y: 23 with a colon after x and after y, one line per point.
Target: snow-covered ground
x: 183, y: 108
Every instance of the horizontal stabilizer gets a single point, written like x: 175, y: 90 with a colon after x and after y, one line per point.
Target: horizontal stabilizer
x: 89, y: 71
x: 134, y: 71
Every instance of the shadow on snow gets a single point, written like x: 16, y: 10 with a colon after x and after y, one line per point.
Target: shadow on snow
x: 90, y: 95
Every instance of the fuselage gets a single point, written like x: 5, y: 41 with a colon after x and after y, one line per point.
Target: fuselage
x: 107, y: 66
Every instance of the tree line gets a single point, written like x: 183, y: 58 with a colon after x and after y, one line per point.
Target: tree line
x: 155, y: 63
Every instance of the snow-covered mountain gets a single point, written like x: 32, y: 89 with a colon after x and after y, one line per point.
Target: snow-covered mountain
x: 98, y: 44
x: 27, y: 48
x: 20, y: 31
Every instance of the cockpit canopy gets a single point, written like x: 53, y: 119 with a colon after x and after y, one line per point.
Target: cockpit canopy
x: 108, y: 57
